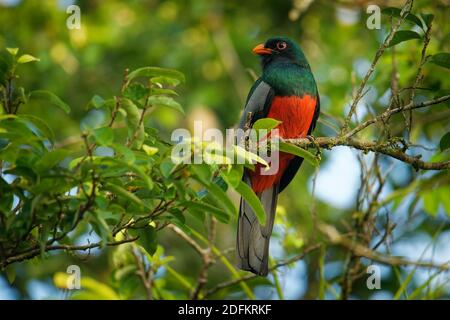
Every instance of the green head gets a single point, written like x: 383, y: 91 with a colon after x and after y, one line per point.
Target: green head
x: 285, y: 67
x: 280, y: 50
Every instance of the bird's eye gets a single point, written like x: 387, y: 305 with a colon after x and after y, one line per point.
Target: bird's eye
x: 281, y: 45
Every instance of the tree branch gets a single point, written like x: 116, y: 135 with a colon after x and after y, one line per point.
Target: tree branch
x: 250, y: 276
x: 405, y: 11
x: 36, y: 251
x: 389, y: 148
x: 186, y: 238
x: 361, y: 251
x: 364, y: 145
x: 207, y: 261
x: 390, y: 112
x: 146, y: 276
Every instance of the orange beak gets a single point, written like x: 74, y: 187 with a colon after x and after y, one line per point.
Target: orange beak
x: 260, y: 49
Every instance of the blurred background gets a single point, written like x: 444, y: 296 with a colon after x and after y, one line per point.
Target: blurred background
x: 211, y: 42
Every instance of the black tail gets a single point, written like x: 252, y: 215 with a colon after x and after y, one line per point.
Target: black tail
x: 252, y: 238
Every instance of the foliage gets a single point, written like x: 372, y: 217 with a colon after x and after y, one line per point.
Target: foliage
x: 86, y: 163
x: 125, y: 186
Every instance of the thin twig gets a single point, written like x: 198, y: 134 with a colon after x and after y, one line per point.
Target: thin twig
x: 410, y: 106
x: 364, y: 145
x: 144, y: 275
x: 280, y: 264
x: 36, y: 251
x: 206, y: 261
x: 186, y: 238
x: 406, y: 9
x: 361, y: 251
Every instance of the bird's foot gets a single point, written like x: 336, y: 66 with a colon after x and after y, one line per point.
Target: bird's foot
x: 316, y: 144
x: 311, y: 138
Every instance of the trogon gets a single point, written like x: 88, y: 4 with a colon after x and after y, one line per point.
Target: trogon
x: 286, y: 91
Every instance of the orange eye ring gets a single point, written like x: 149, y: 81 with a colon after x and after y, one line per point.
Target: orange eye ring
x: 281, y: 45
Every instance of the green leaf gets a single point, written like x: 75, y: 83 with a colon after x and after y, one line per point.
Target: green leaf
x: 403, y: 35
x: 197, y: 214
x: 165, y: 81
x: 138, y: 136
x: 163, y: 101
x: 109, y: 103
x: 12, y: 51
x: 218, y: 181
x: 95, y: 290
x: 202, y: 171
x: 41, y: 125
x: 266, y: 123
x: 110, y: 216
x: 141, y: 174
x: 44, y: 230
x: 180, y: 219
x: 150, y: 151
x: 104, y: 136
x: 100, y: 227
x: 51, y: 159
x: 150, y: 72
x: 430, y: 202
x: 441, y: 59
x: 222, y: 199
x: 97, y: 102
x: 50, y: 97
x: 427, y: 18
x: 396, y: 12
x: 404, y: 284
x: 213, y: 154
x: 234, y: 176
x: 156, y: 91
x: 147, y: 238
x: 247, y: 193
x: 221, y: 215
x: 25, y: 58
x: 292, y: 149
x: 166, y: 168
x: 135, y: 91
x: 132, y: 167
x: 133, y: 114
x: 136, y: 130
x: 125, y: 194
x: 6, y: 200
x: 128, y: 155
x: 248, y: 157
x: 445, y: 141
x: 124, y: 272
x: 10, y: 272
x: 443, y: 193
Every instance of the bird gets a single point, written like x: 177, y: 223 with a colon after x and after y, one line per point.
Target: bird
x: 285, y: 91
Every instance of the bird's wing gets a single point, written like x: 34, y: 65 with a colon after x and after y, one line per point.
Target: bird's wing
x: 258, y: 102
x: 253, y: 238
x: 316, y: 115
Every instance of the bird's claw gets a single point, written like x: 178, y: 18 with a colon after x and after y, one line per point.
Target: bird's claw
x: 311, y: 138
x: 313, y: 141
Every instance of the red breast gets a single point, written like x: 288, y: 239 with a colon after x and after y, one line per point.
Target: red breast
x: 296, y: 114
